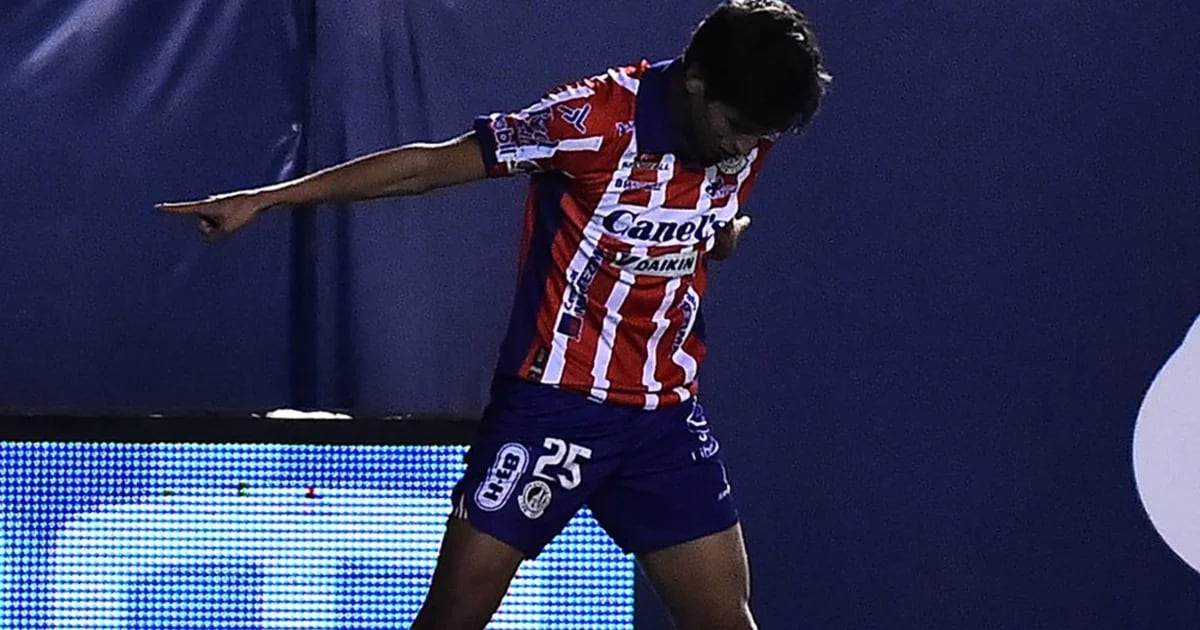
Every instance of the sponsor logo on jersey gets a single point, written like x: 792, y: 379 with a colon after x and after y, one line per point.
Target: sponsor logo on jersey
x: 495, y: 490
x: 576, y: 116
x: 688, y: 308
x: 673, y: 265
x: 718, y: 189
x: 538, y: 368
x: 647, y: 162
x: 534, y: 499
x: 627, y: 223
x: 570, y: 322
x: 632, y: 184
x: 520, y: 130
x: 625, y: 127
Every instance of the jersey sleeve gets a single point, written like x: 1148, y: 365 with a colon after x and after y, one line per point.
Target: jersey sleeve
x: 569, y: 130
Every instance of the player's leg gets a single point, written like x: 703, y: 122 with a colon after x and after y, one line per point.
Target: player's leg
x: 472, y: 575
x: 704, y: 583
x: 539, y: 455
x: 670, y: 503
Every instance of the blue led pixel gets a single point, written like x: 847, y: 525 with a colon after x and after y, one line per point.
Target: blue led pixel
x: 240, y: 536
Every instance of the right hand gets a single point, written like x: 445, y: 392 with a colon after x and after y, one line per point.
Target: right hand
x: 220, y: 215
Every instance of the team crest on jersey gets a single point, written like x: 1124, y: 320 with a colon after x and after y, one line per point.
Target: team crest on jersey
x: 576, y: 116
x: 534, y: 499
x: 733, y: 165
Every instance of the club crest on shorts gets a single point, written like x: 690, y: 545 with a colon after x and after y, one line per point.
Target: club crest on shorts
x: 534, y: 499
x: 495, y: 490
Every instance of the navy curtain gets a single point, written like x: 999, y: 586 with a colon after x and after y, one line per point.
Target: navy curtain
x: 926, y: 362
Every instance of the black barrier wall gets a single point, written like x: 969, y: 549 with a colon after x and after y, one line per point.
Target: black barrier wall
x: 926, y: 362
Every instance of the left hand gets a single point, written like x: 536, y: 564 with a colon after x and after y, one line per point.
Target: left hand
x: 728, y: 237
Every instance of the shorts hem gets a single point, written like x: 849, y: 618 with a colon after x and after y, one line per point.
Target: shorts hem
x: 526, y: 550
x: 638, y: 550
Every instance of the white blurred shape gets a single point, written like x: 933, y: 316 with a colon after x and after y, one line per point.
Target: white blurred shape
x: 1166, y: 450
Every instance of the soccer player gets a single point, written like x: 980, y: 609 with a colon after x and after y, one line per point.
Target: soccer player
x: 638, y: 178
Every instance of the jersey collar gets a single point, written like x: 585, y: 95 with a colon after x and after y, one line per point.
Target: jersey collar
x: 655, y: 133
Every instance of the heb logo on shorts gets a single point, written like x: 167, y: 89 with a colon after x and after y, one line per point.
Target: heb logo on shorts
x: 674, y: 265
x: 502, y: 477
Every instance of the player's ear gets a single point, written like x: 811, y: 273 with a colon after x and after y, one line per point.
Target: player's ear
x: 694, y: 81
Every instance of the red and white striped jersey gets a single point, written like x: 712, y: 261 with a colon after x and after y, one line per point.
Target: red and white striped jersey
x: 612, y: 268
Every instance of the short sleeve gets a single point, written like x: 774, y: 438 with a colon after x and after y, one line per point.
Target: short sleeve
x: 567, y: 131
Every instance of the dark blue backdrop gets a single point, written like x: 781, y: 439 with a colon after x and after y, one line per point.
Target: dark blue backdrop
x: 926, y: 361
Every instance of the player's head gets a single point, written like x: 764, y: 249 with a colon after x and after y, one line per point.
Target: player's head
x: 753, y: 69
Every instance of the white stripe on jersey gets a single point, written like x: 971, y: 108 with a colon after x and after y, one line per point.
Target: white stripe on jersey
x: 587, y: 248
x: 566, y: 94
x: 681, y: 357
x: 685, y: 361
x: 608, y: 335
x: 660, y: 328
x: 658, y: 197
x: 734, y: 203
x: 624, y: 80
x: 541, y: 152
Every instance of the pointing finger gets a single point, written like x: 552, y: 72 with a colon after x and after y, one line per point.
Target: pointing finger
x: 185, y: 207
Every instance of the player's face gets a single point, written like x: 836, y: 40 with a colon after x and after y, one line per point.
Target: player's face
x: 717, y: 130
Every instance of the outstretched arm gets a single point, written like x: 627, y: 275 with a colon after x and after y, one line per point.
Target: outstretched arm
x: 408, y: 170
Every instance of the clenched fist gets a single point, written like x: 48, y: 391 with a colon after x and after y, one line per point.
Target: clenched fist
x: 727, y: 238
x: 220, y: 215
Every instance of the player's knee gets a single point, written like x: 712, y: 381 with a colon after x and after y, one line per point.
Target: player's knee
x: 464, y: 601
x: 449, y: 610
x: 739, y: 622
x: 728, y: 614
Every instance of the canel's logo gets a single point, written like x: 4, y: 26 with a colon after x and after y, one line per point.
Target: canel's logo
x: 1166, y: 450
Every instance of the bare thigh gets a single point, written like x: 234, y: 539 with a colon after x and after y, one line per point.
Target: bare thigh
x: 472, y: 575
x: 704, y: 583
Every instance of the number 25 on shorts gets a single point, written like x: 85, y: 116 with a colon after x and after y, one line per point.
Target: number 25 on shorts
x: 566, y: 456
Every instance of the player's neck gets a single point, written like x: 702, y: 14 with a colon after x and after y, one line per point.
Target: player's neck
x: 679, y: 106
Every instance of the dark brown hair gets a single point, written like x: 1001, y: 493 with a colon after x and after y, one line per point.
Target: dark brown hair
x: 761, y: 57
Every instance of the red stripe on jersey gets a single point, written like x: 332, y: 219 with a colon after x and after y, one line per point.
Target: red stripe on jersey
x: 637, y: 188
x: 683, y: 193
x: 665, y: 369
x: 630, y: 354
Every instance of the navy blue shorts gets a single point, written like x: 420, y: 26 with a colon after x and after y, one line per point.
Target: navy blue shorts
x: 651, y: 478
